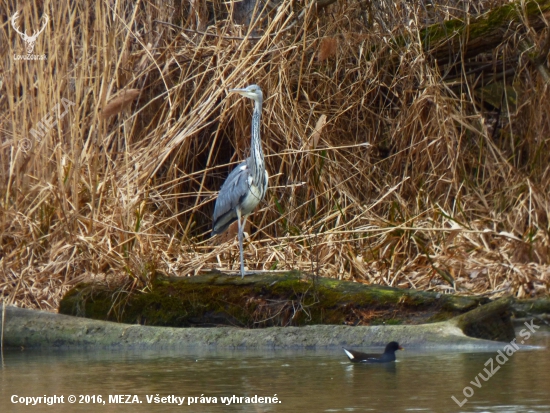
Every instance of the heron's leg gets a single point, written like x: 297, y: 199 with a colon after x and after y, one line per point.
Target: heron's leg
x: 241, y: 226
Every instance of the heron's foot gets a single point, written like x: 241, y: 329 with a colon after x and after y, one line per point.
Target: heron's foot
x: 243, y: 273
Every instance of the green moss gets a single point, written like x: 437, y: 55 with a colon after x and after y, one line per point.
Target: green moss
x: 484, y: 25
x: 525, y: 308
x: 440, y: 316
x: 259, y: 301
x: 438, y: 32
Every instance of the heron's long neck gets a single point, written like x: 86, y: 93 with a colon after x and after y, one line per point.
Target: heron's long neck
x: 256, y: 153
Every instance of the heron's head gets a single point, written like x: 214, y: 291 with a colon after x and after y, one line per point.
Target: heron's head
x: 253, y: 92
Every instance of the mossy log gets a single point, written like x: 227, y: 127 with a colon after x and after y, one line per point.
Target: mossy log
x: 536, y: 307
x: 490, y: 321
x: 262, y: 300
x: 23, y: 328
x: 447, y: 40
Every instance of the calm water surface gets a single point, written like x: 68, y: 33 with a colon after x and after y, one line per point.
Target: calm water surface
x: 303, y: 381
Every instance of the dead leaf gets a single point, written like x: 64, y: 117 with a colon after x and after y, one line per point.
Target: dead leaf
x: 121, y: 102
x: 316, y: 135
x: 328, y: 48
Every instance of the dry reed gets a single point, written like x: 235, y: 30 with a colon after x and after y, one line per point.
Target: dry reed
x: 386, y: 166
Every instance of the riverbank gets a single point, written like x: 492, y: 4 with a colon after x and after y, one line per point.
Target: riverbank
x: 31, y: 329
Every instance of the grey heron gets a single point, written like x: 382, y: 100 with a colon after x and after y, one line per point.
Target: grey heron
x: 246, y: 185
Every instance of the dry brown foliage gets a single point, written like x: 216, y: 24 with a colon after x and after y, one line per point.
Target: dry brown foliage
x: 327, y: 49
x: 119, y: 103
x: 385, y: 166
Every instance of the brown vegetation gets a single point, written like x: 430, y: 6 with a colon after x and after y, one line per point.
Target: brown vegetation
x: 386, y: 165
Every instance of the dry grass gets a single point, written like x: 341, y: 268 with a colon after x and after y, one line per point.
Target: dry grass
x: 382, y: 168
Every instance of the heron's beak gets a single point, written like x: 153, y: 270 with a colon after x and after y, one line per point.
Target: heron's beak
x: 242, y: 92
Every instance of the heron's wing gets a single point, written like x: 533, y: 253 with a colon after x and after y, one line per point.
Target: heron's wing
x: 233, y: 190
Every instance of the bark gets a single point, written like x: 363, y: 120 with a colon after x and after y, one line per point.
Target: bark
x: 262, y: 300
x: 447, y: 41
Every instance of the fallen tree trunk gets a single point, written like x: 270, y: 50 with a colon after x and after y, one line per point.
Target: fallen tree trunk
x: 453, y: 38
x: 536, y: 307
x: 262, y: 300
x: 23, y: 328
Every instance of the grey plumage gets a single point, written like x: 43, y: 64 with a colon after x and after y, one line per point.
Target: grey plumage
x: 246, y: 185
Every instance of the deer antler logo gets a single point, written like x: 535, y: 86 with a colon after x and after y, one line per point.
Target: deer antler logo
x: 29, y: 40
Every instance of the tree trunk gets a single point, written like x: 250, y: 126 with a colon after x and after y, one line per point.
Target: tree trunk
x: 446, y: 41
x: 262, y: 300
x: 23, y: 328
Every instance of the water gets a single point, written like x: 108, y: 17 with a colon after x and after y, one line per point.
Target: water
x: 303, y: 381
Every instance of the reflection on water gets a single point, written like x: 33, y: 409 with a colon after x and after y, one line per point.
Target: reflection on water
x: 302, y: 381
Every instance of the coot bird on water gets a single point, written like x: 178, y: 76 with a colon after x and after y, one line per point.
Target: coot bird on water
x: 386, y: 357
